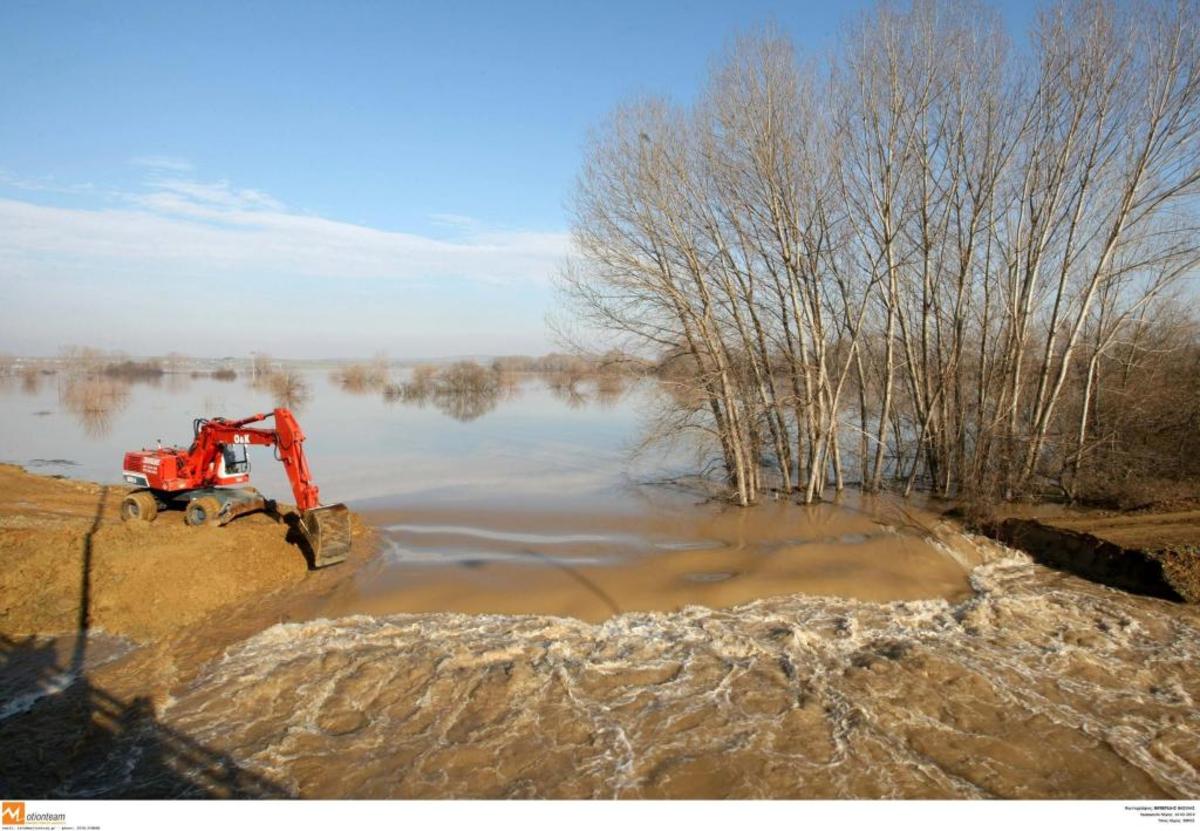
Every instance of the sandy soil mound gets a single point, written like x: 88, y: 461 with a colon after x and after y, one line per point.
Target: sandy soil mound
x: 66, y: 554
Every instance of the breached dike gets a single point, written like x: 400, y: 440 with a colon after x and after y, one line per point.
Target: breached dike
x: 1152, y: 554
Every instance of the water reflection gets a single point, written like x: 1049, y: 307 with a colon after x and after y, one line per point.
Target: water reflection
x: 412, y: 436
x: 178, y: 382
x: 466, y: 405
x: 31, y: 381
x: 607, y: 391
x: 459, y: 404
x: 287, y: 388
x: 570, y: 396
x: 610, y: 389
x: 417, y: 390
x: 94, y: 402
x: 464, y: 391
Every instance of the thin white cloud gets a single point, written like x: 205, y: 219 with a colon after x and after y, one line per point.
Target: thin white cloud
x: 181, y: 227
x: 454, y: 220
x: 44, y: 184
x: 216, y: 195
x: 174, y: 164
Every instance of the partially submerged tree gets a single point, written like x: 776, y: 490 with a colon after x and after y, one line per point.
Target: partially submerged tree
x: 930, y: 252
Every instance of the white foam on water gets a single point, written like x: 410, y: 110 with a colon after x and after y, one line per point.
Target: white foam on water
x: 38, y: 667
x: 50, y: 685
x: 1039, y: 685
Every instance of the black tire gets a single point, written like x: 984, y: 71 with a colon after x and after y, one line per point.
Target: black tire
x: 139, y: 506
x: 202, y: 511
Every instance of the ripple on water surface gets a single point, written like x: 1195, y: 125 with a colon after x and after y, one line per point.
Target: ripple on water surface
x: 593, y: 564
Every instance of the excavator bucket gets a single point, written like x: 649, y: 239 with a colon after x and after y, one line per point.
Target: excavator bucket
x: 327, y: 530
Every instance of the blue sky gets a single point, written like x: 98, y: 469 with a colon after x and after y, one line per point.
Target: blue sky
x: 319, y: 179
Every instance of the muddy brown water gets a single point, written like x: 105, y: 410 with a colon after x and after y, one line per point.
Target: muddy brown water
x: 593, y: 565
x: 1036, y: 685
x: 534, y: 625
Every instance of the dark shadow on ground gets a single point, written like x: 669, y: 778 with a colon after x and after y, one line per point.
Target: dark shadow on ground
x: 84, y: 621
x: 82, y: 742
x: 296, y: 537
x: 62, y: 736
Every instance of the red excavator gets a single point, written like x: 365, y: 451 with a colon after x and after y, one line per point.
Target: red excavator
x: 203, y: 478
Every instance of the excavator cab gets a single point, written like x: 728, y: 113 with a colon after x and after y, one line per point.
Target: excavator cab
x: 232, y: 461
x: 232, y: 468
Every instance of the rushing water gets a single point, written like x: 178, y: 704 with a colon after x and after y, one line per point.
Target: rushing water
x: 536, y: 624
x: 1038, y: 686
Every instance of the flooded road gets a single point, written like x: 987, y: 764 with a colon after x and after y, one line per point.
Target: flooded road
x: 535, y: 623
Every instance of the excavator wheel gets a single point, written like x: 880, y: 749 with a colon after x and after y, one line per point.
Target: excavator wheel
x: 327, y: 530
x: 139, y: 506
x: 202, y: 511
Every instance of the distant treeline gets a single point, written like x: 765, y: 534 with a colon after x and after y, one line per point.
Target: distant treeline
x: 609, y: 362
x: 133, y: 370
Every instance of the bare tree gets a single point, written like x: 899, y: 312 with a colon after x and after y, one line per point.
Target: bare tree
x: 963, y: 235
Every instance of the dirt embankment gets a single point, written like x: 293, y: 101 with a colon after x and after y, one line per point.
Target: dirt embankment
x: 68, y: 562
x: 1156, y: 553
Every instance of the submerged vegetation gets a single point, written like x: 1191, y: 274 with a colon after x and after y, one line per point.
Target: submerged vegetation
x: 467, y: 378
x: 287, y: 387
x: 464, y: 390
x: 134, y: 370
x: 359, y: 378
x: 94, y: 401
x: 94, y: 386
x: 933, y: 258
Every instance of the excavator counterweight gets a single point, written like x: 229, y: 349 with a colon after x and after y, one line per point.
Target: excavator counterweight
x: 204, y: 479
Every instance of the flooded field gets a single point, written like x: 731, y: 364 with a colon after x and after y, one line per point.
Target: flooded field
x: 537, y: 621
x: 535, y: 505
x: 531, y: 443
